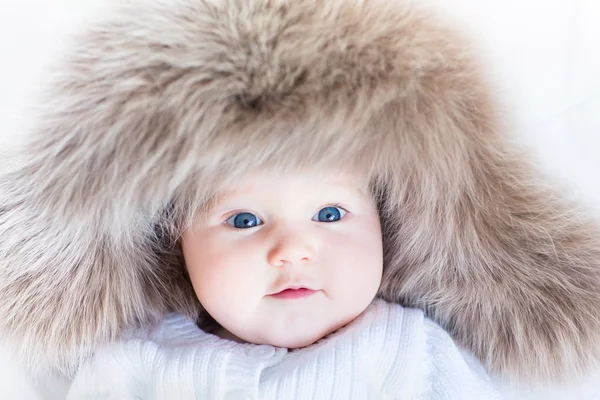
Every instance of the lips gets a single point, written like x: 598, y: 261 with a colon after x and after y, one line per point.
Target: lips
x: 293, y: 293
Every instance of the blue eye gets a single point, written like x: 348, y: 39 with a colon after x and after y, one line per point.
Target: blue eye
x: 244, y: 220
x: 329, y: 214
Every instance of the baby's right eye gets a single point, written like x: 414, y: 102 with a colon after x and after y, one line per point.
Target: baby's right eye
x: 244, y: 220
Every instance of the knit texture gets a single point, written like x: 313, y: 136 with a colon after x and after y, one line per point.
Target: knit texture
x: 389, y: 352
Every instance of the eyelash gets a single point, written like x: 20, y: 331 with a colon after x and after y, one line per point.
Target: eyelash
x: 338, y: 206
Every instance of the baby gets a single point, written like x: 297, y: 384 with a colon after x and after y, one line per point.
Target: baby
x: 288, y: 261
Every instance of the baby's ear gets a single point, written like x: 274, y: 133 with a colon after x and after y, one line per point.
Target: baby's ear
x: 494, y: 255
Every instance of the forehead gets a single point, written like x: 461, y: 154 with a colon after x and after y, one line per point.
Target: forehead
x: 307, y: 180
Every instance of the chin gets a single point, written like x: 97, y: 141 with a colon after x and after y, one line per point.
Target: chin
x: 293, y: 344
x: 297, y: 342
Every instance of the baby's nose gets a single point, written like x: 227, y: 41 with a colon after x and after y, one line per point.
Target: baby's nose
x: 291, y: 249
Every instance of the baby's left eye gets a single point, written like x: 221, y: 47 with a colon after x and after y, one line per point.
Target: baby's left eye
x: 330, y: 214
x: 244, y: 220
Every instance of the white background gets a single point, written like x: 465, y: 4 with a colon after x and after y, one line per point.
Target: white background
x: 544, y: 56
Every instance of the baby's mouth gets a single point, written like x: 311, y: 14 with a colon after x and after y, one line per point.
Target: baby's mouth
x: 293, y: 293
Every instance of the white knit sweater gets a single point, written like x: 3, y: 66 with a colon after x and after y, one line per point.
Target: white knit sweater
x: 388, y: 352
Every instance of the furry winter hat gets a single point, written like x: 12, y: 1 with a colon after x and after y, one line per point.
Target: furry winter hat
x: 163, y: 102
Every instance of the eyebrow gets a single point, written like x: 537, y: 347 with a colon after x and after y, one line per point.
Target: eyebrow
x: 341, y: 182
x: 356, y: 189
x: 361, y: 189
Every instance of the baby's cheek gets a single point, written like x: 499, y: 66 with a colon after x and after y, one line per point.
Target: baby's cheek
x: 357, y: 268
x: 232, y: 278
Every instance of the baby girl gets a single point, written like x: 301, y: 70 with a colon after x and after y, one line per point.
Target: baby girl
x: 282, y: 262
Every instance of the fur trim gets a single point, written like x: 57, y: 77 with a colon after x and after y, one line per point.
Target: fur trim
x: 161, y: 103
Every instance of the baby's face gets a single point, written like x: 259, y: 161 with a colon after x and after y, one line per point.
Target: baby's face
x: 287, y: 259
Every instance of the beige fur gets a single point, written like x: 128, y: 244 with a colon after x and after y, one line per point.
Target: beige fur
x: 159, y: 105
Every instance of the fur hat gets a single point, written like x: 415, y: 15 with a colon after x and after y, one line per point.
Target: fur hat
x: 156, y: 106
